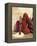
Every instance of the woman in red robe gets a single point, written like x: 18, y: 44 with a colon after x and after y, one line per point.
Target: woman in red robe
x: 25, y: 22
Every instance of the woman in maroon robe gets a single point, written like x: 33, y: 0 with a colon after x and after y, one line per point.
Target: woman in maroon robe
x: 19, y: 25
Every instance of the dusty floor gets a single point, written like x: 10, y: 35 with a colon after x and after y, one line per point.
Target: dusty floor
x: 22, y: 36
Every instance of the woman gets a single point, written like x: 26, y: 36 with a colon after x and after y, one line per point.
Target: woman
x: 19, y: 25
x: 25, y: 22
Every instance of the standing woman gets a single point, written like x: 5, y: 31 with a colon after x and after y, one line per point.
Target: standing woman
x: 19, y: 25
